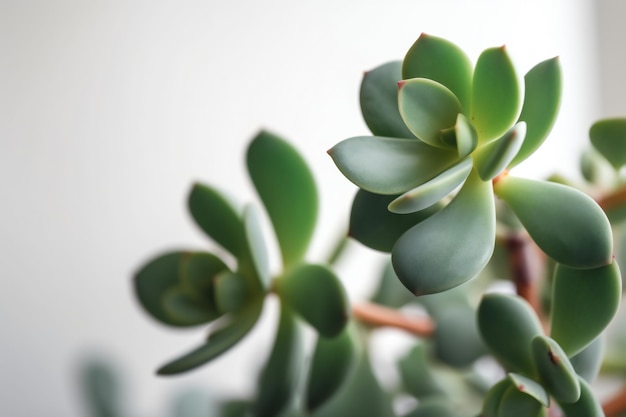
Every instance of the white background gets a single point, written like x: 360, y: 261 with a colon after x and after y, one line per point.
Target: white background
x: 109, y: 110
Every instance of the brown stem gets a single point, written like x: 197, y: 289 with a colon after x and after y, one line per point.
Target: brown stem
x: 616, y: 405
x: 520, y: 263
x: 377, y: 315
x: 612, y: 200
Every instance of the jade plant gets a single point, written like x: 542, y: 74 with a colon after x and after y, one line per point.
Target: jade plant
x: 437, y: 192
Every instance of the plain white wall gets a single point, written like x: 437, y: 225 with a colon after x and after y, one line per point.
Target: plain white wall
x: 110, y: 109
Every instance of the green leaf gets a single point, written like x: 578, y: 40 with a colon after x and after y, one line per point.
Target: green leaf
x: 465, y: 136
x: 586, y: 406
x: 197, y: 274
x: 457, y: 340
x: 433, y: 407
x: 542, y: 99
x: 231, y: 292
x: 192, y: 403
x: 530, y: 387
x: 389, y: 165
x: 417, y: 378
x: 379, y: 101
x: 442, y: 61
x: 217, y: 217
x: 493, y: 398
x: 588, y: 361
x: 516, y: 403
x: 315, y: 293
x: 432, y: 191
x: 556, y: 372
x: 508, y: 324
x: 427, y: 108
x: 235, y: 408
x: 496, y: 94
x: 333, y: 361
x: 434, y: 256
x: 583, y: 303
x: 492, y: 158
x: 287, y: 189
x: 372, y: 224
x: 608, y: 136
x: 187, y: 310
x: 100, y: 386
x: 390, y: 291
x: 230, y: 332
x: 565, y: 223
x: 279, y: 379
x: 254, y: 261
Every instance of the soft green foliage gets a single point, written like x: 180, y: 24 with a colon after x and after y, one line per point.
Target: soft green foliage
x: 586, y: 406
x: 555, y: 370
x: 608, y: 136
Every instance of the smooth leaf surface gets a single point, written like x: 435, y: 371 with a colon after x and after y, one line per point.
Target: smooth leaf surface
x: 315, y: 293
x: 530, y: 387
x: 388, y: 165
x: 427, y: 108
x: 186, y: 310
x: 231, y: 292
x: 100, y: 387
x: 492, y: 158
x: 286, y: 186
x: 390, y: 292
x: 565, y: 223
x: 588, y: 361
x: 433, y: 407
x: 434, y: 256
x: 429, y: 193
x: 556, y: 372
x: 542, y: 99
x: 583, y: 303
x: 608, y: 136
x: 417, y: 377
x: 254, y: 261
x: 440, y: 60
x: 378, y: 97
x: 372, y: 224
x: 493, y: 398
x: 586, y: 406
x: 508, y: 324
x: 496, y: 94
x: 457, y: 340
x: 197, y: 274
x: 516, y: 403
x: 465, y: 136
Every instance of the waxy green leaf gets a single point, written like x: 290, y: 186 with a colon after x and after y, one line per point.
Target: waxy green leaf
x: 586, y: 406
x: 186, y: 310
x: 315, y: 293
x: 542, y: 98
x: 231, y: 292
x: 389, y: 165
x: 197, y: 275
x: 588, y: 361
x: 583, y: 303
x: 379, y: 101
x: 433, y: 407
x: 465, y: 136
x: 372, y: 224
x: 434, y: 256
x: 508, y: 324
x: 432, y: 191
x: 608, y: 136
x: 516, y: 403
x: 417, y: 377
x: 565, y: 223
x: 390, y: 291
x: 530, y: 387
x: 496, y: 94
x: 254, y: 261
x: 492, y: 158
x: 442, y: 61
x: 427, y: 108
x: 556, y: 372
x: 286, y: 186
x: 493, y: 398
x: 457, y: 340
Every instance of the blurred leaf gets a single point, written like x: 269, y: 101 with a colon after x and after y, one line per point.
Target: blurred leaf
x: 530, y: 387
x: 373, y: 225
x: 417, y: 377
x: 193, y: 403
x: 235, y: 408
x: 230, y: 332
x: 608, y: 136
x: 565, y: 223
x: 187, y: 310
x: 433, y: 407
x: 198, y: 271
x: 588, y: 361
x: 496, y: 94
x: 254, y: 261
x: 508, y: 324
x: 279, y: 379
x: 101, y: 390
x: 542, y: 99
x: 389, y: 165
x: 427, y: 107
x: 434, y: 256
x: 493, y: 398
x: 516, y: 403
x: 217, y: 217
x: 442, y: 61
x: 285, y: 184
x: 231, y: 292
x: 556, y: 372
x: 433, y: 190
x: 465, y: 136
x: 333, y: 361
x: 583, y: 303
x: 492, y: 158
x: 390, y: 291
x: 379, y: 101
x: 315, y: 293
x: 457, y: 340
x: 586, y: 406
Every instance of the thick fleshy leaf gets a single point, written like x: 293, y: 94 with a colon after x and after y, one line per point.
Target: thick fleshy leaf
x: 254, y: 260
x: 433, y: 407
x: 530, y: 387
x: 542, y: 99
x: 279, y: 379
x: 427, y: 108
x: 372, y: 224
x: 417, y: 377
x: 496, y: 94
x: 556, y: 372
x: 493, y: 398
x: 465, y: 136
x: 286, y: 186
x: 315, y: 293
x: 390, y: 291
x: 429, y: 193
x: 492, y: 158
x: 583, y: 303
x: 231, y: 292
x: 565, y: 223
x: 233, y: 330
x: 197, y: 274
x: 235, y: 408
x: 608, y: 136
x: 516, y: 403
x: 588, y: 361
x: 379, y: 101
x: 333, y: 361
x: 389, y: 165
x: 434, y: 256
x: 442, y: 61
x: 217, y: 217
x: 457, y: 340
x: 508, y: 324
x: 187, y: 310
x: 586, y: 406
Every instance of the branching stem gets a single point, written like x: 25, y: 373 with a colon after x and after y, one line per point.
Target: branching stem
x: 616, y: 405
x: 377, y: 315
x: 520, y: 254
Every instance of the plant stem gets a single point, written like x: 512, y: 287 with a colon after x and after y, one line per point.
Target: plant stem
x: 377, y: 315
x: 616, y: 405
x: 526, y: 283
x: 614, y: 199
